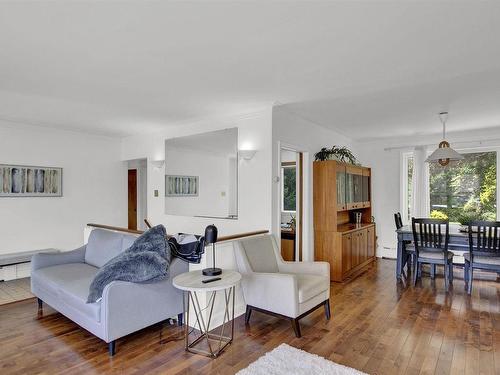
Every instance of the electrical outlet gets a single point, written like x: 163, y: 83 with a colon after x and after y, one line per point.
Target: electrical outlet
x: 156, y: 193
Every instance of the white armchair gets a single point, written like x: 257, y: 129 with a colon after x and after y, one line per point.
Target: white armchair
x: 270, y: 285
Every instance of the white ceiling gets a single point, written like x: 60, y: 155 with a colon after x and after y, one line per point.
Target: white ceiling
x: 368, y: 69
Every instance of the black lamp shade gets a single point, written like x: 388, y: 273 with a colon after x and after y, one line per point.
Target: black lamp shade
x: 210, y: 234
x: 211, y: 238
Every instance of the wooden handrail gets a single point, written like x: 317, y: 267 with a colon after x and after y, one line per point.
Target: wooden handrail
x: 118, y: 229
x: 241, y: 235
x: 220, y: 239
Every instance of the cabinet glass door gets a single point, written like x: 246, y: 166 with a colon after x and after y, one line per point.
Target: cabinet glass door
x: 357, y: 187
x: 366, y: 188
x: 349, y: 186
x: 341, y: 189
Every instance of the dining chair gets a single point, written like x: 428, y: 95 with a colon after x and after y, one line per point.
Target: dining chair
x: 408, y: 249
x: 484, y: 249
x: 430, y: 239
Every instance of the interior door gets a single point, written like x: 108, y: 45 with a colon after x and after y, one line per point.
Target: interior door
x: 132, y: 199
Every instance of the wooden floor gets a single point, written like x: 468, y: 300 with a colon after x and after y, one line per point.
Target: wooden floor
x: 377, y: 326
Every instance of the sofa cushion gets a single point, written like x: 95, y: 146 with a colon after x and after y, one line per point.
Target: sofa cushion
x: 70, y: 284
x: 260, y: 253
x: 311, y: 285
x: 102, y: 246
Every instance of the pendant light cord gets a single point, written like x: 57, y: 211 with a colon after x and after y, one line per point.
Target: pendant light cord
x: 443, y: 116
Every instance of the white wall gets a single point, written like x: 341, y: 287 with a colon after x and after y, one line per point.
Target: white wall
x: 254, y: 188
x: 305, y: 136
x: 385, y: 193
x: 213, y: 179
x: 94, y: 187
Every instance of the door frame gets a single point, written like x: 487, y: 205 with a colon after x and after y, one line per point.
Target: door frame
x: 304, y: 217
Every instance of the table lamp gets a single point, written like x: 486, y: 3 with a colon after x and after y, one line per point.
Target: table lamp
x: 211, y: 238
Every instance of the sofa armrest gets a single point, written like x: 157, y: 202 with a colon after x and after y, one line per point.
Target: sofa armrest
x: 127, y: 307
x: 308, y: 268
x: 275, y: 292
x: 43, y: 260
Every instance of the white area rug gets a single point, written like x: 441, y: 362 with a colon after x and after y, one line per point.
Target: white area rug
x: 287, y: 360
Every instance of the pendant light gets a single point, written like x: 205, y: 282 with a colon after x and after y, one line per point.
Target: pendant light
x: 444, y: 153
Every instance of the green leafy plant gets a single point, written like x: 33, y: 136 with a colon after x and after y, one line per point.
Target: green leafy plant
x: 467, y: 217
x: 342, y: 154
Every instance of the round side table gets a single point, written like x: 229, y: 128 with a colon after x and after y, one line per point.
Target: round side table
x: 191, y: 283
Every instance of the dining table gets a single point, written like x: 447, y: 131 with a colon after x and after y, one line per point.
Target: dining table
x: 458, y: 243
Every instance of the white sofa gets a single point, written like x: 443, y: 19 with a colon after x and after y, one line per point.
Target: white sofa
x: 289, y: 290
x: 62, y: 281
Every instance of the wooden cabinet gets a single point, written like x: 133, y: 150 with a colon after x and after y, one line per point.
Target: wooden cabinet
x: 340, y: 190
x: 358, y: 250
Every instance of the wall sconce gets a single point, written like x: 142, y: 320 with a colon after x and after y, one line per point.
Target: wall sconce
x: 247, y: 154
x: 158, y: 164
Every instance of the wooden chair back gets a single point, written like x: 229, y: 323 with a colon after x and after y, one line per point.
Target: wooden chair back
x: 398, y: 220
x: 486, y: 241
x: 430, y: 235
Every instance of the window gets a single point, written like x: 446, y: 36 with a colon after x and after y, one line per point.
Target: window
x: 461, y: 191
x: 407, y: 186
x: 289, y: 187
x: 465, y: 189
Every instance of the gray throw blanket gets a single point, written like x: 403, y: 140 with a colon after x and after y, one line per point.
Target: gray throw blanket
x: 147, y: 260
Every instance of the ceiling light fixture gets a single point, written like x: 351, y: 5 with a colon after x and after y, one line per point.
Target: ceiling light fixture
x: 444, y: 153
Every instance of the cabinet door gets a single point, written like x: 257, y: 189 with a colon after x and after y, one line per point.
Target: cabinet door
x: 354, y: 187
x: 349, y: 189
x: 358, y: 188
x: 355, y: 249
x: 366, y: 190
x: 346, y: 252
x: 288, y: 250
x: 370, y: 233
x: 363, y: 246
x: 341, y: 188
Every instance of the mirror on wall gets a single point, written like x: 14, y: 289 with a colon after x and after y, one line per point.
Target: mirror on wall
x: 201, y: 175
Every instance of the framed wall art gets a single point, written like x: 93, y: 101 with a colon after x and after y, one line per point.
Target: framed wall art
x: 30, y: 181
x: 181, y: 186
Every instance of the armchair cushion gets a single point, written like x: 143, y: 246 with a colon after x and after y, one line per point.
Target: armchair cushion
x: 260, y: 254
x: 310, y: 286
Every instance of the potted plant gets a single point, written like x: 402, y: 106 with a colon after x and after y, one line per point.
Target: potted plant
x: 342, y: 154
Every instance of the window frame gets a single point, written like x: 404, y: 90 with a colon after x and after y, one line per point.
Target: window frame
x: 405, y: 155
